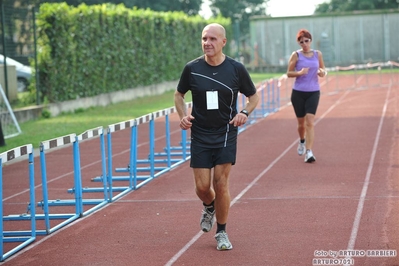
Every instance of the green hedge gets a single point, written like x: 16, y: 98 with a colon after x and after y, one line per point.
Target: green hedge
x: 89, y: 50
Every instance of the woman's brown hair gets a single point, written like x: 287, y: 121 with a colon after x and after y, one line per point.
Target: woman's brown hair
x: 303, y: 33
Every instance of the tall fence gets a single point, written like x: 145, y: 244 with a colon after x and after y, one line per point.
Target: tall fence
x: 343, y: 39
x: 82, y: 173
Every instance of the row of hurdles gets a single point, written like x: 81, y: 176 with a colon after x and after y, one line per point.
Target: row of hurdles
x: 146, y: 161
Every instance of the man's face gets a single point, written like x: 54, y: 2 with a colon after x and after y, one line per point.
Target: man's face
x: 213, y: 41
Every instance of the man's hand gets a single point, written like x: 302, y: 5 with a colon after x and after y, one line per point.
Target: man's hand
x: 239, y: 120
x: 185, y: 122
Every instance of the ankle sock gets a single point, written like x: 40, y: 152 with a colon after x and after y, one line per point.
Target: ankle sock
x: 211, y: 207
x: 302, y: 140
x: 220, y: 227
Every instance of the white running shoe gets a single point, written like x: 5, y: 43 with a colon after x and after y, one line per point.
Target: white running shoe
x: 309, y: 157
x: 223, y: 241
x: 301, y: 148
x: 207, y: 220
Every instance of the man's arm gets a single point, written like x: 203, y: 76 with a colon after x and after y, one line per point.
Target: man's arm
x: 252, y: 102
x: 181, y: 108
x: 240, y: 119
x: 180, y: 104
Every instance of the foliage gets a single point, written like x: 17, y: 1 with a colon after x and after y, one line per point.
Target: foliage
x: 355, y: 5
x: 190, y: 7
x: 90, y: 50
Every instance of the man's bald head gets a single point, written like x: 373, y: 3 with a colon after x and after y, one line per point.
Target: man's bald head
x: 216, y: 27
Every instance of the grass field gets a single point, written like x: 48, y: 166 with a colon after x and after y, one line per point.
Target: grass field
x: 33, y: 132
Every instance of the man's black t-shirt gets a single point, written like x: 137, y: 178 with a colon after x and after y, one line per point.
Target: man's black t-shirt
x: 214, y: 92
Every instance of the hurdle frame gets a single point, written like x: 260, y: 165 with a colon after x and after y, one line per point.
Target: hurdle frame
x: 170, y: 153
x: 269, y: 93
x: 97, y: 132
x: 46, y: 203
x: 25, y: 237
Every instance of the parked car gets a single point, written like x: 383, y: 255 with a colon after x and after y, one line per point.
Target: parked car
x: 24, y: 73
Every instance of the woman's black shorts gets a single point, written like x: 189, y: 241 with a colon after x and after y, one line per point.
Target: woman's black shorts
x: 305, y: 102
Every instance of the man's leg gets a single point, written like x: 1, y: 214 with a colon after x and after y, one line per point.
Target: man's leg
x: 222, y: 192
x: 202, y: 178
x: 222, y: 204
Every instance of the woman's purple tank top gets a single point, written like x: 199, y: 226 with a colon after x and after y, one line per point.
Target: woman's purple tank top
x: 310, y: 81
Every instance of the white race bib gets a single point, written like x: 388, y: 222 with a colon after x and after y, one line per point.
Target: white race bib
x: 212, y: 101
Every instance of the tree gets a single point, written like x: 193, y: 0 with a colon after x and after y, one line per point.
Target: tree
x: 190, y: 7
x: 355, y: 5
x: 239, y: 11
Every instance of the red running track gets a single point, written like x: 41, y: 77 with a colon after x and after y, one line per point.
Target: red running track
x: 284, y: 211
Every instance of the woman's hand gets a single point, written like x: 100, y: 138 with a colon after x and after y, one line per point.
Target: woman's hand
x: 304, y: 71
x: 321, y: 72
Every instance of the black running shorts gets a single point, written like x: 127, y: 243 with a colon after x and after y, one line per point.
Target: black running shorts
x: 305, y: 102
x: 209, y: 157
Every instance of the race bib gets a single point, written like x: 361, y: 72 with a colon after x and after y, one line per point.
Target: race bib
x: 212, y: 101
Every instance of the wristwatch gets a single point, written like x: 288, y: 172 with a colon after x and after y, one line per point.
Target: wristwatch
x: 245, y: 112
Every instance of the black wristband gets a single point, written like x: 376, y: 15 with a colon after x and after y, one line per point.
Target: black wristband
x: 245, y: 112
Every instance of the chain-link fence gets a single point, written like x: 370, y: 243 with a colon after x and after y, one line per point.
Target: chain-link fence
x: 357, y: 38
x: 17, y: 46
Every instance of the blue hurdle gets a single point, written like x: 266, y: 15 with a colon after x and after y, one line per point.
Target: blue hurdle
x: 182, y: 150
x: 46, y: 203
x: 158, y: 162
x: 129, y: 124
x: 25, y: 237
x: 155, y: 164
x: 172, y: 156
x: 269, y: 93
x: 98, y: 203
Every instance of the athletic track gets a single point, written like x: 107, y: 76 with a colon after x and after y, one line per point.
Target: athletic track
x: 284, y: 211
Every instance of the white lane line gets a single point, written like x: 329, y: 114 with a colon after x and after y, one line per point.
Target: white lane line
x: 250, y: 185
x: 356, y: 222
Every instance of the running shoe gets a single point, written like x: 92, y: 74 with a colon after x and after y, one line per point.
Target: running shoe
x: 301, y: 148
x: 207, y: 220
x: 309, y: 157
x: 223, y: 241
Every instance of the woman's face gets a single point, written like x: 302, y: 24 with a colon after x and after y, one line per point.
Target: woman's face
x: 305, y: 43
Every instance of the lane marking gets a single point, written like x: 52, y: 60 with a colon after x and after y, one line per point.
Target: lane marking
x: 359, y: 211
x: 250, y: 185
x: 196, y: 237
